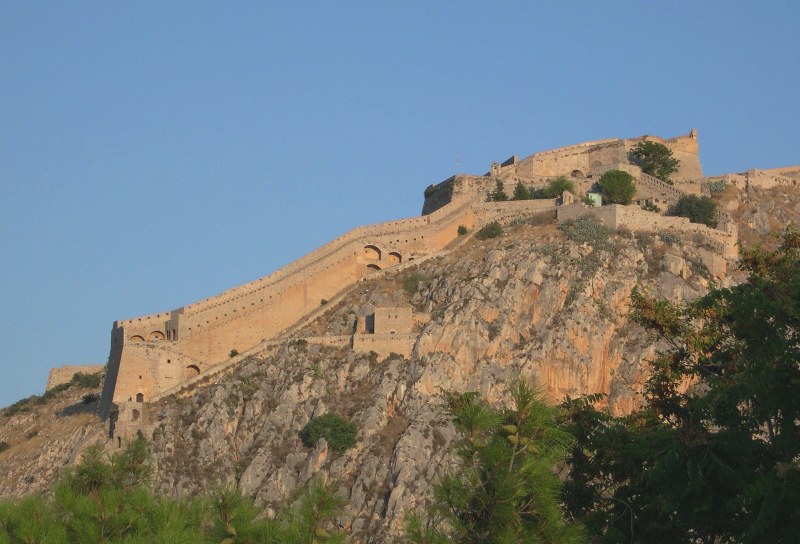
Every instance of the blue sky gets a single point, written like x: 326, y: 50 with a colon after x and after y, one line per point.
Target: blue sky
x: 153, y: 153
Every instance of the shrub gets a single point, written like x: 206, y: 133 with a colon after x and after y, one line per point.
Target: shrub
x: 411, y: 282
x: 558, y: 185
x: 587, y: 229
x: 429, y: 190
x: 462, y: 230
x: 323, y: 301
x: 90, y: 398
x: 4, y: 445
x: 650, y: 207
x: 339, y: 433
x: 499, y: 193
x: 699, y: 209
x: 617, y: 187
x: 85, y: 381
x: 491, y: 230
x: 669, y: 237
x: 654, y: 159
x: 234, y: 352
x: 716, y: 186
x: 32, y: 434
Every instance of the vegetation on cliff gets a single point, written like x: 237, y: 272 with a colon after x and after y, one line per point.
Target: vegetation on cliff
x: 699, y: 209
x: 713, y: 455
x: 106, y: 499
x: 505, y: 489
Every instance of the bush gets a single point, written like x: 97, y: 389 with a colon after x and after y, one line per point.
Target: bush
x: 587, y: 229
x: 4, y: 445
x: 650, y: 207
x: 617, y: 187
x: 85, y: 381
x: 716, y: 186
x: 669, y: 237
x: 32, y: 434
x: 654, y: 159
x: 491, y: 230
x: 234, y: 352
x: 411, y: 282
x: 429, y: 190
x: 558, y: 185
x: 462, y: 230
x: 699, y: 209
x: 339, y: 433
x: 90, y: 398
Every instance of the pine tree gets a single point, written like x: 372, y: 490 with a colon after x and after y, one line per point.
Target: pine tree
x: 505, y: 489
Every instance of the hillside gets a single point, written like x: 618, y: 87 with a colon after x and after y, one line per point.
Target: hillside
x: 541, y: 300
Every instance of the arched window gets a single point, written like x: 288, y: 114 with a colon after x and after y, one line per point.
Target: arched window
x: 139, y: 397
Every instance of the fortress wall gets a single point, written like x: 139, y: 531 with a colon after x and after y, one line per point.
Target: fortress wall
x: 403, y: 235
x: 582, y: 158
x: 331, y: 341
x: 767, y: 179
x: 64, y: 374
x: 505, y: 211
x: 385, y: 344
x: 244, y: 316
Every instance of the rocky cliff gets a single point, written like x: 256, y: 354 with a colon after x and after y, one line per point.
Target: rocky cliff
x: 540, y: 301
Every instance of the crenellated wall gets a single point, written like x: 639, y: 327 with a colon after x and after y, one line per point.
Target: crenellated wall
x: 151, y: 354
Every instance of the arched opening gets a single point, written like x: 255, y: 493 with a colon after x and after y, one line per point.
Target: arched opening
x: 135, y: 415
x: 136, y: 338
x: 373, y: 267
x: 156, y: 336
x: 139, y: 397
x: 372, y: 253
x: 395, y: 258
x: 576, y: 174
x: 192, y: 370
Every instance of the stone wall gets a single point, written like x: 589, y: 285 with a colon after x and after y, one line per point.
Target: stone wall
x: 64, y: 374
x: 151, y: 354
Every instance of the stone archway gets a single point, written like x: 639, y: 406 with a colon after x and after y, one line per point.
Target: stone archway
x: 395, y: 258
x: 576, y: 174
x: 373, y: 267
x: 136, y: 338
x: 192, y: 370
x: 157, y: 336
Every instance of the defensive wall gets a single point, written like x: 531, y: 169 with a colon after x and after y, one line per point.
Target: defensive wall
x: 159, y: 354
x: 154, y: 353
x: 64, y: 374
x: 722, y: 240
x: 577, y: 160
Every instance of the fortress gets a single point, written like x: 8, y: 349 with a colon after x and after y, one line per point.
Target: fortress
x: 155, y: 355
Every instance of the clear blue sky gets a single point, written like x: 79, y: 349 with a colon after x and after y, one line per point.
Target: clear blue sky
x: 156, y: 153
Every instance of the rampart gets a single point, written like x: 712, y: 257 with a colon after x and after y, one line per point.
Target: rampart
x: 154, y: 353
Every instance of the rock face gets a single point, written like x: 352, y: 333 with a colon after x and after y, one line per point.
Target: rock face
x: 533, y: 303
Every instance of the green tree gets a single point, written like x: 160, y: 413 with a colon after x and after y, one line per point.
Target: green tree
x: 558, y: 185
x: 499, y: 193
x: 520, y: 192
x: 699, y: 209
x: 617, y: 187
x: 655, y: 159
x: 505, y: 489
x: 717, y: 462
